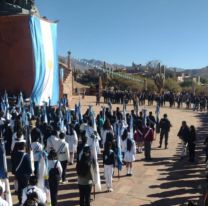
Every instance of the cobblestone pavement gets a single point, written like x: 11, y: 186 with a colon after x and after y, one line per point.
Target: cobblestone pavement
x: 165, y: 181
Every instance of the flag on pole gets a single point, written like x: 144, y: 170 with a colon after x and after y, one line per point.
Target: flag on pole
x: 131, y: 127
x: 96, y: 169
x: 118, y: 151
x: 144, y: 119
x: 157, y: 112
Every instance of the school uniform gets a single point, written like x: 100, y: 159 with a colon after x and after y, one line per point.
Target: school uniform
x: 148, y: 138
x: 36, y: 149
x: 103, y: 135
x: 109, y: 162
x: 72, y: 141
x: 21, y: 168
x: 129, y: 156
x: 52, y: 143
x: 53, y: 182
x: 92, y: 139
x: 139, y: 139
x: 33, y: 188
x: 16, y: 140
x: 63, y: 156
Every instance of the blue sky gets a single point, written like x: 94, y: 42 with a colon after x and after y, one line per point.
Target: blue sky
x: 122, y: 31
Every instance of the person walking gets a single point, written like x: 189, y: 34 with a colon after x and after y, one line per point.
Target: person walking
x: 72, y: 140
x: 191, y: 143
x: 109, y: 164
x: 21, y: 168
x: 63, y: 155
x: 85, y: 180
x: 184, y: 135
x: 164, y: 130
x: 55, y: 173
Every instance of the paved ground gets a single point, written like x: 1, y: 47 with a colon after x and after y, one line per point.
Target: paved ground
x: 165, y: 181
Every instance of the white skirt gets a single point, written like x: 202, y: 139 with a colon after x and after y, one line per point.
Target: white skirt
x: 129, y: 157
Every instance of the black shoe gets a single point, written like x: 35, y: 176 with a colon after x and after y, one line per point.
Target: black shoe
x: 166, y: 147
x: 159, y: 146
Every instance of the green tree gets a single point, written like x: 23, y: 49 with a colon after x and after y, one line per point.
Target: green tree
x: 172, y: 85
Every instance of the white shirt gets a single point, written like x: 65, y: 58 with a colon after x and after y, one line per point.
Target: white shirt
x: 36, y: 148
x: 3, y: 202
x: 72, y: 140
x: 29, y: 189
x: 52, y: 143
x: 62, y: 150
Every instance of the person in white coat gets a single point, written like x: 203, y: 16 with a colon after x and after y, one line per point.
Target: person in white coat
x: 72, y: 140
x: 63, y: 154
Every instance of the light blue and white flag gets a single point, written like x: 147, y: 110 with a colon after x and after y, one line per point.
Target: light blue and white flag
x: 44, y: 38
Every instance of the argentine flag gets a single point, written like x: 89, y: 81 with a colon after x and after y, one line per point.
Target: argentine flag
x: 44, y: 40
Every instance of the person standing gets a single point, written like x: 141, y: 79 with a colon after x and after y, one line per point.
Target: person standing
x: 164, y: 130
x: 109, y: 164
x: 63, y: 154
x: 85, y: 180
x: 21, y: 168
x: 72, y: 140
x: 55, y: 173
x: 148, y: 138
x: 129, y: 155
x: 191, y: 143
x: 184, y: 135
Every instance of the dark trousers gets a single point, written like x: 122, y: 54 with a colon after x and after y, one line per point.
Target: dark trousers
x: 191, y: 147
x: 64, y: 165
x: 162, y: 134
x: 53, y: 185
x: 85, y: 192
x: 22, y: 183
x: 147, y: 150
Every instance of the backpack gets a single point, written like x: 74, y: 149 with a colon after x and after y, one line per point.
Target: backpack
x: 54, y: 173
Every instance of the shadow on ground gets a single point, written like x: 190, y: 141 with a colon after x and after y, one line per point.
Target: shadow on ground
x: 183, y: 181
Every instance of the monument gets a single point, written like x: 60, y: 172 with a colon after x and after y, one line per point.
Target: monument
x: 16, y: 7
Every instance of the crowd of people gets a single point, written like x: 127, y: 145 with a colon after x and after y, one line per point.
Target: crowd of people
x: 189, y: 100
x: 44, y: 141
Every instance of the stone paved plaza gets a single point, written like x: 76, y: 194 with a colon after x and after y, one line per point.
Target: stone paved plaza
x: 165, y: 181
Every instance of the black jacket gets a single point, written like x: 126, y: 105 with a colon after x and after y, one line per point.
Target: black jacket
x: 25, y: 167
x: 108, y: 157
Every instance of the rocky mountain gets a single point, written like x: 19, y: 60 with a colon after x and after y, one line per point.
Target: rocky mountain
x: 86, y: 64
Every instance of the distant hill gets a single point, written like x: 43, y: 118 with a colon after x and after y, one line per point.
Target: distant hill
x: 86, y: 64
x: 203, y: 72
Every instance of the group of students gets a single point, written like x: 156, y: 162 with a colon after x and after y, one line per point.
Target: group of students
x: 115, y: 135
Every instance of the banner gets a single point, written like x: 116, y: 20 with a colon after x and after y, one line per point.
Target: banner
x: 44, y: 39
